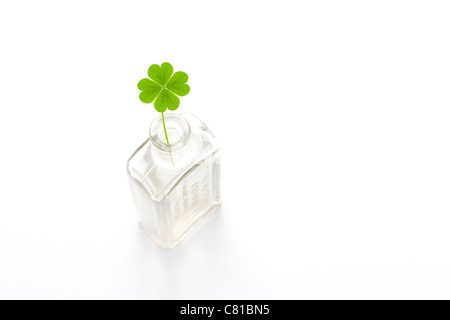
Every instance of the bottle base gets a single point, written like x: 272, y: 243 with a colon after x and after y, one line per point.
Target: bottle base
x: 200, y: 219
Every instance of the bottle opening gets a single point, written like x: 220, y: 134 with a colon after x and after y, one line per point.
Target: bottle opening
x: 178, y: 132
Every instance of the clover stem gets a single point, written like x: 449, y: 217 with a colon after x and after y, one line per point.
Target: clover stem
x: 167, y: 138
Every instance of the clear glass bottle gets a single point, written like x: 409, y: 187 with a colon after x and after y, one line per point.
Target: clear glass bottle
x: 175, y: 187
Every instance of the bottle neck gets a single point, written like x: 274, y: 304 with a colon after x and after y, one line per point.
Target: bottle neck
x: 170, y: 144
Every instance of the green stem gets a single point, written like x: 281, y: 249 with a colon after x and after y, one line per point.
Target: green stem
x: 167, y: 138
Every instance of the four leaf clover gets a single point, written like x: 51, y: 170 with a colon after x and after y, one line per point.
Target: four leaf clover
x: 164, y: 86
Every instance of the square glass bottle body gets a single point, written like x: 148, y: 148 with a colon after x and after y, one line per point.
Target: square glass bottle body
x: 175, y: 186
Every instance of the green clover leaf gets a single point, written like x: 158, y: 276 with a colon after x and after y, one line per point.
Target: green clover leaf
x: 163, y: 87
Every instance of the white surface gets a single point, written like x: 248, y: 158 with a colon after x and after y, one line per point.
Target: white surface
x: 334, y: 123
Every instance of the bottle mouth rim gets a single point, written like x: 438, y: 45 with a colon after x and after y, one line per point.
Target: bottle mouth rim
x: 178, y: 132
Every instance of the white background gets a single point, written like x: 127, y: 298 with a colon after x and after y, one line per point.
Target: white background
x: 334, y: 122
